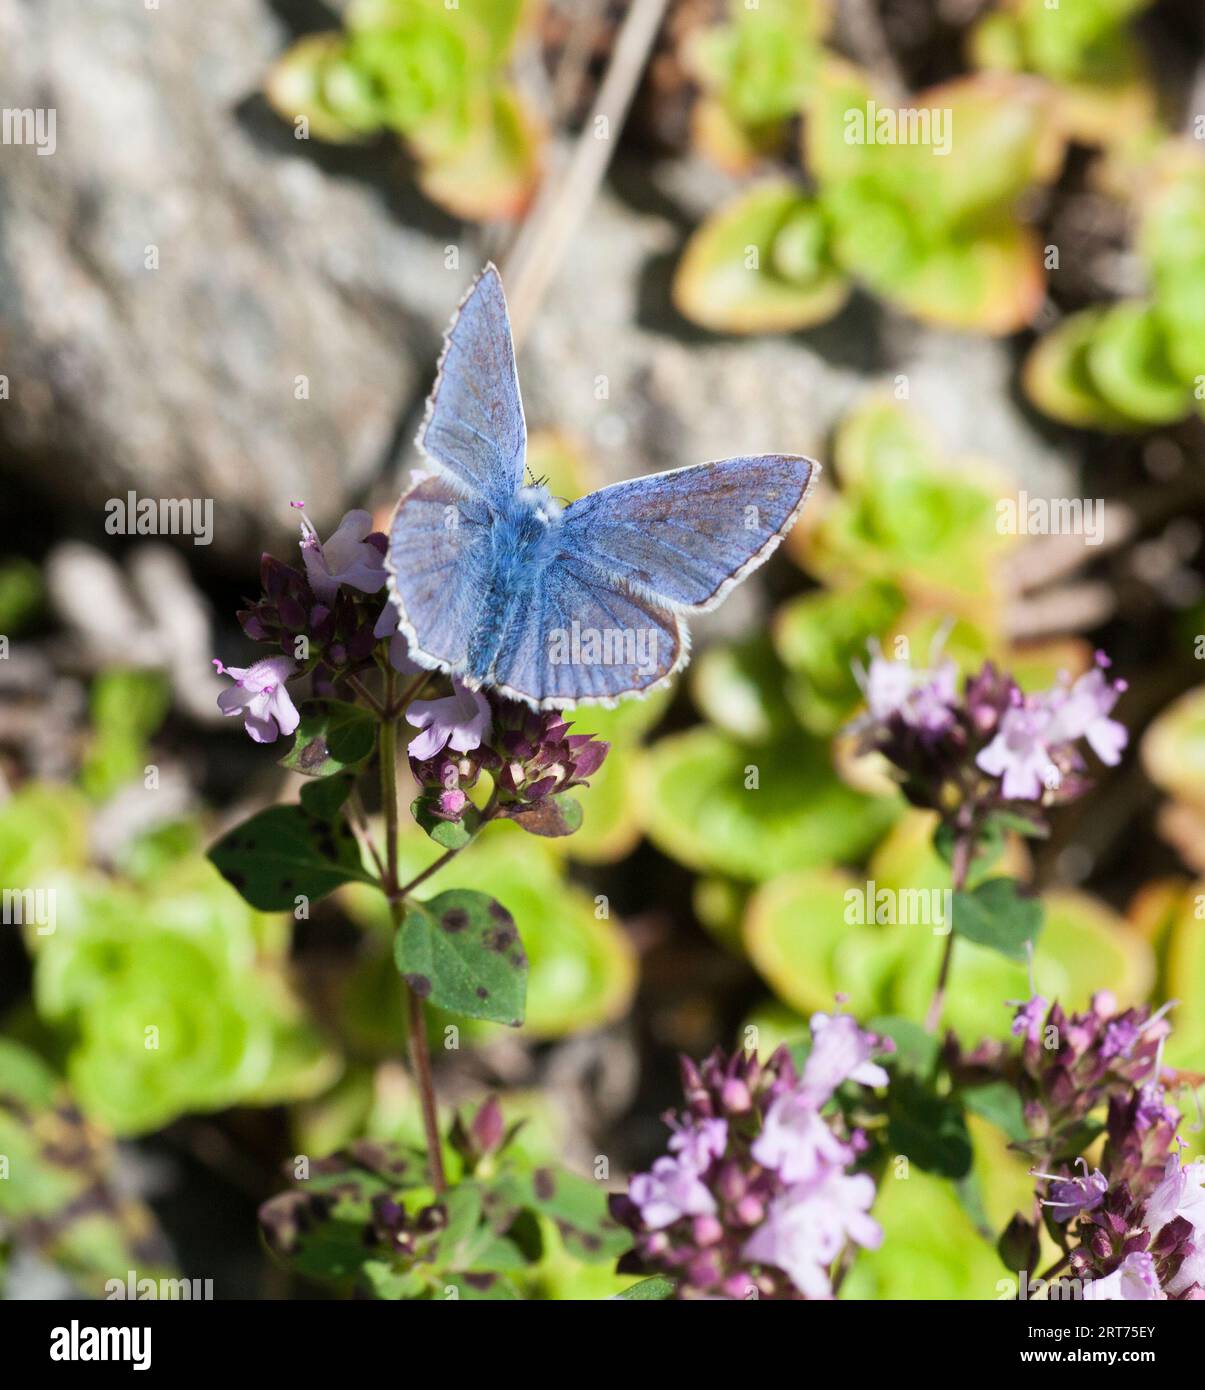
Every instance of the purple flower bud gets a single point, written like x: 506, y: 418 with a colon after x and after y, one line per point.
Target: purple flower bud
x: 750, y: 1211
x: 735, y: 1097
x: 488, y: 1126
x: 253, y: 625
x: 293, y: 615
x: 707, y: 1230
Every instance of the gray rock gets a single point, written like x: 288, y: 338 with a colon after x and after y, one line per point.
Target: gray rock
x: 183, y: 380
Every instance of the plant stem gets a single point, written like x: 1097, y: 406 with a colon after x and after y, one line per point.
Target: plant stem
x: 1057, y: 1266
x: 358, y: 820
x: 486, y: 816
x: 420, y: 1056
x: 963, y: 848
x: 366, y: 695
x: 396, y: 710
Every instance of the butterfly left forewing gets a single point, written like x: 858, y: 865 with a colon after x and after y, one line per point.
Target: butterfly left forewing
x: 439, y: 562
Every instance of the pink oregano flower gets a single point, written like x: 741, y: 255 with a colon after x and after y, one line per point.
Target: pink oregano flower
x: 459, y: 721
x: 759, y: 1192
x: 260, y: 697
x: 346, y: 558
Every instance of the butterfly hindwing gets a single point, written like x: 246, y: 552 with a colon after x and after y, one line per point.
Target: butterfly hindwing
x: 439, y: 561
x: 684, y: 538
x: 474, y: 426
x: 575, y: 635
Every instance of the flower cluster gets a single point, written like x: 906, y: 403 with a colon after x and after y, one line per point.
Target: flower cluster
x: 325, y: 618
x: 531, y: 756
x: 758, y: 1196
x: 1134, y: 1226
x: 1070, y: 1065
x: 990, y: 747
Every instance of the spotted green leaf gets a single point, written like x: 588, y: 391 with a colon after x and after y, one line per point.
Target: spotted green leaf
x: 332, y: 736
x: 285, y: 853
x: 462, y: 952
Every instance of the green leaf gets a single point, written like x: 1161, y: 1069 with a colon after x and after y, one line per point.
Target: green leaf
x: 469, y: 1242
x: 126, y: 708
x: 1131, y: 367
x: 284, y: 853
x: 1058, y: 378
x: 998, y: 1102
x: 906, y: 516
x: 577, y: 1206
x: 21, y: 594
x: 928, y: 224
x: 797, y: 935
x: 332, y: 736
x: 998, y: 916
x: 382, y: 1281
x: 1004, y: 821
x: 476, y: 1288
x: 60, y: 1197
x: 931, y: 1248
x: 322, y: 1227
x: 462, y: 952
x: 325, y: 797
x: 582, y: 965
x: 448, y: 834
x: 1173, y: 747
x: 551, y: 816
x: 314, y: 79
x: 1083, y: 947
x: 752, y: 812
x: 760, y: 265
x: 761, y: 63
x: 929, y: 1128
x: 819, y: 636
x: 990, y: 844
x: 915, y: 1049
x: 492, y: 170
x: 651, y: 1290
x: 738, y: 686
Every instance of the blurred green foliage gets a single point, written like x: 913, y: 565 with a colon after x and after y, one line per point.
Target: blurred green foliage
x: 927, y: 223
x: 434, y: 74
x: 1137, y: 363
x: 21, y: 595
x: 513, y: 1228
x: 59, y: 1197
x: 755, y: 71
x: 935, y: 218
x: 1086, y: 51
x: 163, y: 991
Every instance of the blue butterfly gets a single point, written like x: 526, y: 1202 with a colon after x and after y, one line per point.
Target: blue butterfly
x: 498, y: 584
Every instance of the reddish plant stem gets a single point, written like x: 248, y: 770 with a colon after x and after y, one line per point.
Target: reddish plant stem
x: 420, y: 1055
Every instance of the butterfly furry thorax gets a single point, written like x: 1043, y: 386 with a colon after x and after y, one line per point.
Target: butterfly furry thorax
x: 499, y: 584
